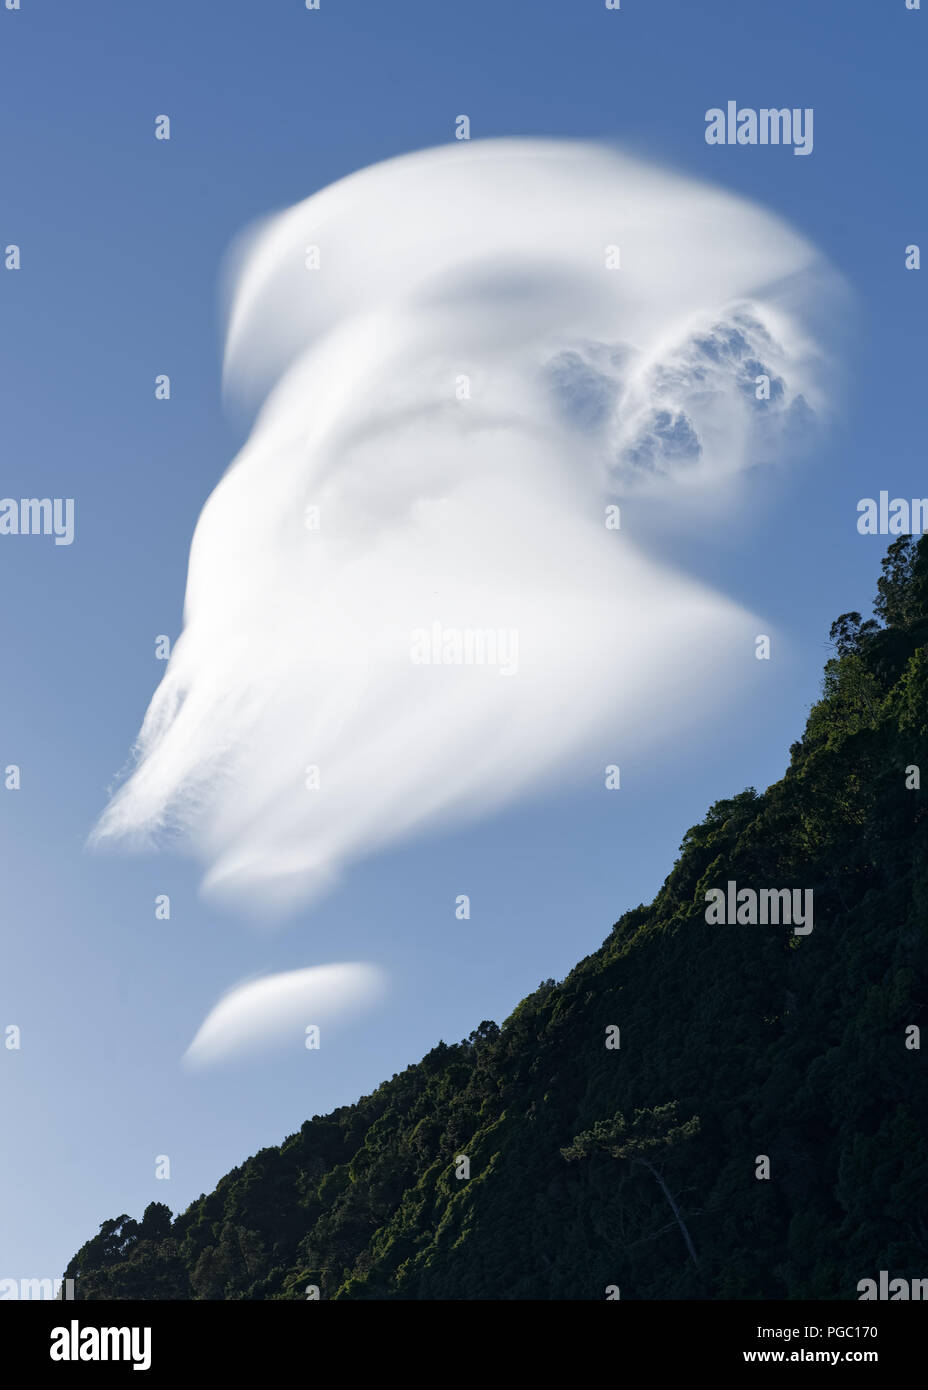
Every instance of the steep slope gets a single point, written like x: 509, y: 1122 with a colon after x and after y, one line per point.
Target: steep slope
x: 637, y: 1165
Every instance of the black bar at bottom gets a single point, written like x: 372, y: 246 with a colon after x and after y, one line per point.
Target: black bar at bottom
x: 451, y: 1340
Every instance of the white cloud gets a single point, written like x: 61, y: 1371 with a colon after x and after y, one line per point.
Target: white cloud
x: 484, y: 262
x: 277, y: 1009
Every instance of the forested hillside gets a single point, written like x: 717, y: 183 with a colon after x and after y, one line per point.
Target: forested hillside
x: 636, y: 1164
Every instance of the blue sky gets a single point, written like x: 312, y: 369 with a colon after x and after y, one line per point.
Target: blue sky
x: 122, y: 240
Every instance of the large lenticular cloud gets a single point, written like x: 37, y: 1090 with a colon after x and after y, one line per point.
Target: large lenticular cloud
x: 403, y: 603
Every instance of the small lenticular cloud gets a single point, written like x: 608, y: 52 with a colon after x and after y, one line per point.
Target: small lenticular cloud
x: 277, y: 1009
x: 465, y: 357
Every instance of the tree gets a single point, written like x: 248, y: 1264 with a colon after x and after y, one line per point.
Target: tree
x: 849, y: 633
x: 902, y: 589
x: 156, y: 1222
x: 650, y: 1134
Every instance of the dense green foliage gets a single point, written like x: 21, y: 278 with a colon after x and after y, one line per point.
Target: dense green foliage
x: 636, y: 1166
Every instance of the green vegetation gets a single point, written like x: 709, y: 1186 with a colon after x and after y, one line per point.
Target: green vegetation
x: 636, y: 1165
